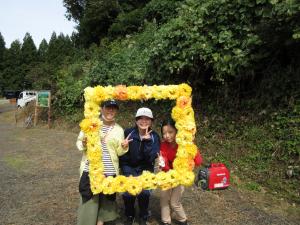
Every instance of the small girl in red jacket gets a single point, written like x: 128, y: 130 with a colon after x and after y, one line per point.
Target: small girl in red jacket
x: 171, y: 197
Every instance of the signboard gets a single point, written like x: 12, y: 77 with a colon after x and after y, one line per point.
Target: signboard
x: 43, y: 98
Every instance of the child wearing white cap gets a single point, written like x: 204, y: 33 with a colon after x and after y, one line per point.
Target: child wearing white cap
x: 144, y: 144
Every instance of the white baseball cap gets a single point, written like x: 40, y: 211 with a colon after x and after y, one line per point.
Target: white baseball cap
x: 144, y: 112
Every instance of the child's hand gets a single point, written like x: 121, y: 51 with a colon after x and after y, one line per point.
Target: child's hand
x: 126, y: 141
x: 161, y: 161
x: 147, y: 135
x: 84, y: 142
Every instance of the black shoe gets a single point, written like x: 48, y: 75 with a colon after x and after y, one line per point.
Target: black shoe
x: 182, y: 223
x: 129, y: 220
x: 143, y: 222
x: 110, y: 223
x: 163, y: 223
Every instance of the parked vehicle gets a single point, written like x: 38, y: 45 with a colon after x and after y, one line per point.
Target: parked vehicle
x: 11, y: 94
x: 25, y: 97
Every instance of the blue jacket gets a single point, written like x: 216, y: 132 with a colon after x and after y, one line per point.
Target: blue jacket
x: 141, y: 153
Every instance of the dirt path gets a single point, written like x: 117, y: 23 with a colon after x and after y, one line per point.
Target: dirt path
x: 39, y: 177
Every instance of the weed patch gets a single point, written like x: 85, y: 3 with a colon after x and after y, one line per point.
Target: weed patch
x: 15, y: 162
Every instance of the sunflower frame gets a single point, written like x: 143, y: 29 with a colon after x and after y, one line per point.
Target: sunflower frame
x: 183, y: 115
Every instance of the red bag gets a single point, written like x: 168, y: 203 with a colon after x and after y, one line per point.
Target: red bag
x: 214, y: 176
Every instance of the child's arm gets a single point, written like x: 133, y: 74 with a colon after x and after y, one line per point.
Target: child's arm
x: 151, y: 147
x: 81, y: 141
x: 119, y: 140
x: 198, y: 158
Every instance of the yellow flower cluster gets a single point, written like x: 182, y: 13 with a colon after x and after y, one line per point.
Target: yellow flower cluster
x: 98, y: 94
x: 183, y: 115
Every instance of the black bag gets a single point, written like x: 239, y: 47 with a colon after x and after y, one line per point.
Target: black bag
x: 85, y: 187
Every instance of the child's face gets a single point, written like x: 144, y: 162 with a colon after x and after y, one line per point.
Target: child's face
x: 144, y: 122
x: 169, y: 133
x: 109, y: 112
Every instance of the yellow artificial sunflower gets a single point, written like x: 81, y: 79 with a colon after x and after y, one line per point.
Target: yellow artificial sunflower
x: 172, y: 178
x: 182, y: 152
x: 186, y: 178
x: 183, y: 138
x: 99, y: 95
x: 133, y: 185
x: 167, y: 180
x: 120, y: 183
x: 158, y: 92
x: 147, y: 92
x: 185, y: 90
x: 96, y: 181
x: 191, y: 150
x: 186, y: 125
x: 162, y: 180
x: 148, y: 180
x: 134, y: 92
x: 181, y: 164
x: 171, y: 92
x: 184, y: 114
x: 91, y: 109
x: 109, y: 185
x: 94, y: 156
x: 89, y: 94
x: 90, y: 125
x: 109, y: 90
x: 93, y: 138
x: 96, y: 169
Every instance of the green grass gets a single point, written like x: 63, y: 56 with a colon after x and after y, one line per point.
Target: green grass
x: 15, y: 162
x: 252, y: 186
x: 254, y: 149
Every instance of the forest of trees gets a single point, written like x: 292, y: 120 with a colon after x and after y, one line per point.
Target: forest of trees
x: 213, y: 45
x: 230, y: 52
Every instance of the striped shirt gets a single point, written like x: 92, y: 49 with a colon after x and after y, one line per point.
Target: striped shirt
x: 109, y: 169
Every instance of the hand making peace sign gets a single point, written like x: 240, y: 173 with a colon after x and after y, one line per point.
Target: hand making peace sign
x: 126, y: 141
x: 147, y: 135
x: 161, y: 161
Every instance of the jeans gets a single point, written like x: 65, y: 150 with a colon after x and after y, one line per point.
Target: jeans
x: 143, y: 202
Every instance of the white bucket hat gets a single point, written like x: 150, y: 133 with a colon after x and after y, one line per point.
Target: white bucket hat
x: 144, y: 112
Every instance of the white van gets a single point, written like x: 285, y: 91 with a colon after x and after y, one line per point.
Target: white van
x: 25, y: 97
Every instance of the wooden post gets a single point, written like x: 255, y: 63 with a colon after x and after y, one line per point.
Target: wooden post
x: 16, y: 116
x: 35, y: 114
x: 49, y: 110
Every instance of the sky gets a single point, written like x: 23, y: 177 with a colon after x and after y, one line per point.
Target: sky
x: 37, y: 17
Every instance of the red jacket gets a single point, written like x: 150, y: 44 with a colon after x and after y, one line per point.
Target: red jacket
x: 168, y: 152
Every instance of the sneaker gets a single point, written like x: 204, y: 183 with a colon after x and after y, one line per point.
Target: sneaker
x: 129, y: 220
x: 164, y: 223
x: 110, y: 223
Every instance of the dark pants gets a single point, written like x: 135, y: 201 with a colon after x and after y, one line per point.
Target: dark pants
x: 143, y: 202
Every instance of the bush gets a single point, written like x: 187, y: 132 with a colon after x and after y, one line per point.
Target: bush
x: 70, y: 87
x: 227, y: 37
x: 124, y: 61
